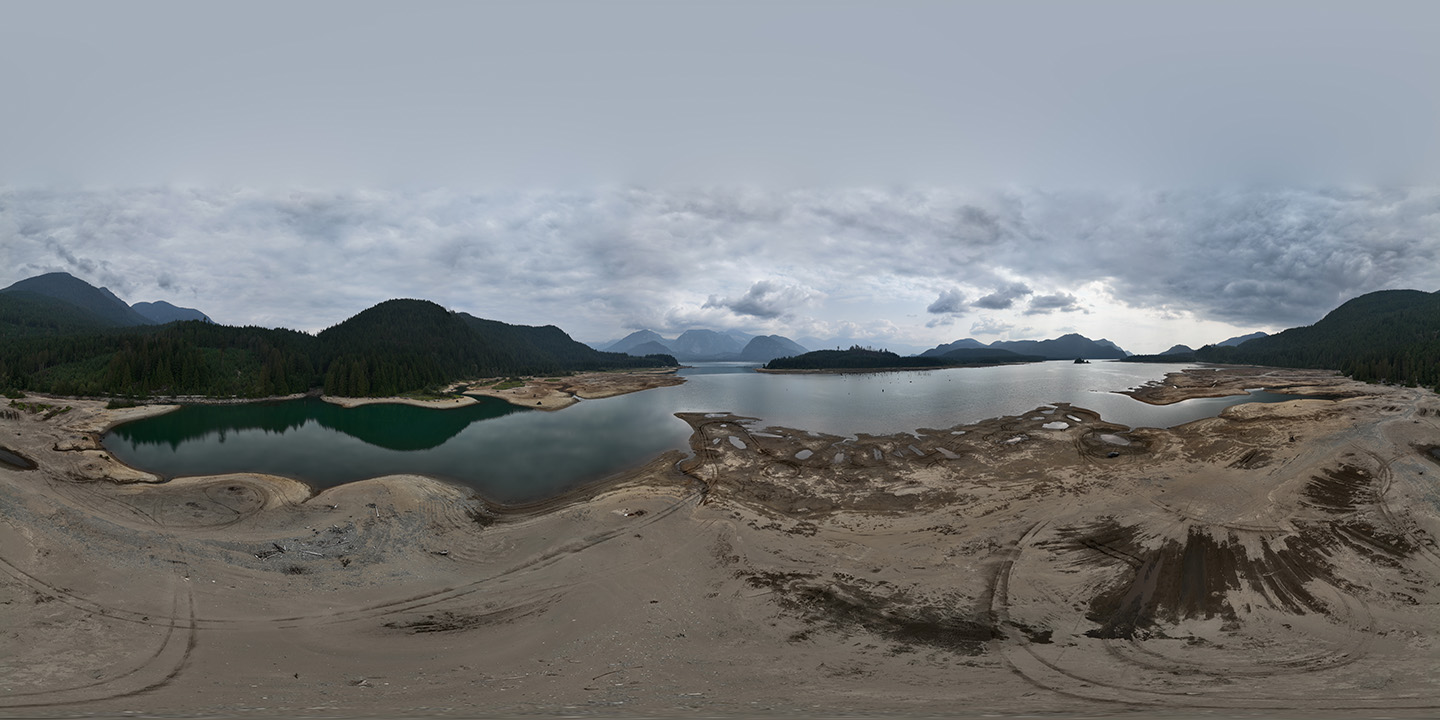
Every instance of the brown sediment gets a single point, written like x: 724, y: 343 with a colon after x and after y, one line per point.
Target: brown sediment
x: 1220, y: 565
x: 1227, y: 380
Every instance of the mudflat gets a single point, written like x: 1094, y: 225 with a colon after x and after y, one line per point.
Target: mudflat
x: 555, y: 393
x: 1279, y: 559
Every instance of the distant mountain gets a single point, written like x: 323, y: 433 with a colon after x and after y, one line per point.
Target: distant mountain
x: 1390, y: 335
x: 638, y: 337
x: 765, y: 348
x: 408, y: 344
x: 970, y: 355
x: 99, y: 302
x: 704, y: 345
x: 1065, y: 347
x: 649, y: 348
x: 161, y: 312
x: 61, y: 294
x: 947, y: 347
x: 699, y: 345
x: 395, y: 347
x: 1176, y: 354
x: 1232, y: 342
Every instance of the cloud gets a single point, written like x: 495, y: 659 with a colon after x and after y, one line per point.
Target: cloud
x: 1059, y: 302
x: 990, y: 326
x: 1004, y: 297
x: 599, y: 260
x: 765, y: 299
x: 950, y: 302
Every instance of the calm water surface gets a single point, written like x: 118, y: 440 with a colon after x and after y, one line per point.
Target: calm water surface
x: 515, y: 455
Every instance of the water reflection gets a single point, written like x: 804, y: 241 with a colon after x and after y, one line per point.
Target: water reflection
x: 389, y: 426
x: 515, y: 455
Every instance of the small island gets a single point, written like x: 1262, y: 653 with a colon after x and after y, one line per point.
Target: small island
x: 860, y: 359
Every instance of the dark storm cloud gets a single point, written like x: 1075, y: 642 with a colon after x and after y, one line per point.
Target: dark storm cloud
x: 1260, y: 256
x: 1004, y: 297
x: 610, y: 258
x: 949, y: 302
x: 81, y: 265
x: 765, y: 299
x: 1059, y: 302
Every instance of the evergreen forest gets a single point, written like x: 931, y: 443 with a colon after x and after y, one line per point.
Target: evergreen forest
x: 396, y: 347
x: 1387, y: 336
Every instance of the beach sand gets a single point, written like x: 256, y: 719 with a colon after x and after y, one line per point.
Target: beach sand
x: 1278, y: 560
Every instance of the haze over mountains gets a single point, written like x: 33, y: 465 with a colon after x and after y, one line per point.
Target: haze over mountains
x: 1065, y: 347
x: 698, y: 345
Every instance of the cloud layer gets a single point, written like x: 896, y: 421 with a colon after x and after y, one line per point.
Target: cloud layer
x: 897, y: 264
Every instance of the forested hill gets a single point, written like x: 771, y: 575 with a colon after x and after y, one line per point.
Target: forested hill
x: 401, y: 345
x: 1390, y: 336
x: 27, y: 314
x: 858, y: 358
x: 395, y: 347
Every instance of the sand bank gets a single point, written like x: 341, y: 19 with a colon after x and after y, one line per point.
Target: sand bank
x: 555, y: 393
x: 434, y: 403
x: 1278, y: 559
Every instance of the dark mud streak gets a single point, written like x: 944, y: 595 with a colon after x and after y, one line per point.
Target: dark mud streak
x: 845, y: 604
x: 1341, y: 490
x: 452, y: 621
x: 1191, y: 579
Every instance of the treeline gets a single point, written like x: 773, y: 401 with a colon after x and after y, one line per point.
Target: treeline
x: 25, y: 315
x: 1167, y: 358
x: 856, y: 358
x: 396, y: 347
x: 1388, y: 336
x: 863, y: 358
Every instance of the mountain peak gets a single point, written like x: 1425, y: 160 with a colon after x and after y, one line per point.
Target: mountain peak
x: 99, y: 302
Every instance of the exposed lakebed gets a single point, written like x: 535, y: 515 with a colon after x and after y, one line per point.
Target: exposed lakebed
x: 514, y: 455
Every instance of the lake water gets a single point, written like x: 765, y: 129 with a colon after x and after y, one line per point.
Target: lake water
x: 514, y: 455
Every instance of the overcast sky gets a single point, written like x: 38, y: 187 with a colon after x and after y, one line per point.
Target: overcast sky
x: 1154, y: 173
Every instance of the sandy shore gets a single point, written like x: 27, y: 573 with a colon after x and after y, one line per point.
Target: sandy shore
x: 438, y: 403
x: 562, y: 392
x: 1279, y: 560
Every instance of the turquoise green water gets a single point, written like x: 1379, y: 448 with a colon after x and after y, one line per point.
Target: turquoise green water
x: 513, y: 455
